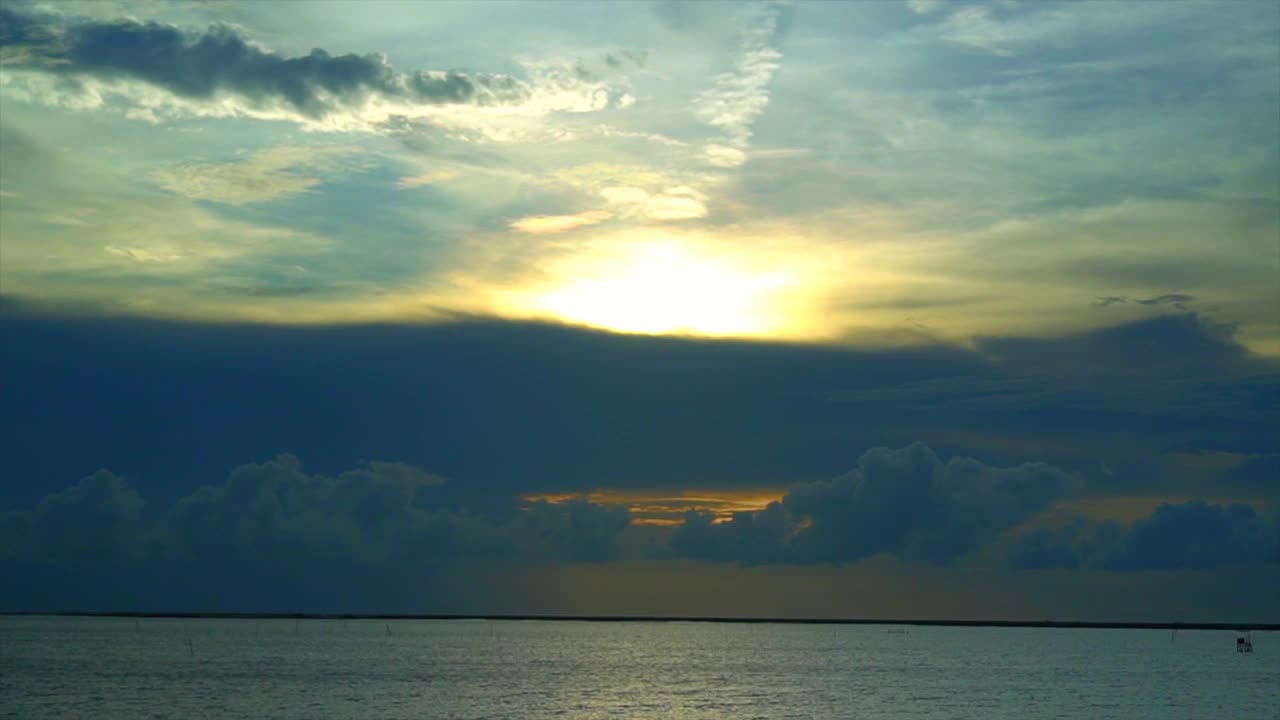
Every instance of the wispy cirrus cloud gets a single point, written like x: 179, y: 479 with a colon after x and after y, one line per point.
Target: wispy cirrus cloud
x: 430, y: 177
x: 1176, y: 300
x: 741, y: 94
x: 263, y: 176
x: 545, y: 224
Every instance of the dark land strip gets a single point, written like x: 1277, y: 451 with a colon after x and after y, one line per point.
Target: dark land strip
x: 1083, y: 624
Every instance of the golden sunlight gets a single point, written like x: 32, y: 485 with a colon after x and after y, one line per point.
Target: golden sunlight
x: 657, y: 289
x: 656, y: 507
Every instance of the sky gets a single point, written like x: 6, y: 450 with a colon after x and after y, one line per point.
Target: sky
x: 801, y: 309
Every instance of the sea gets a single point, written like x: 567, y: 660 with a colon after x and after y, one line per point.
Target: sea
x: 189, y: 669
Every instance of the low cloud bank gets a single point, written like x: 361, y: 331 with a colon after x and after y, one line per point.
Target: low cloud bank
x: 275, y: 511
x: 907, y: 502
x: 1193, y: 535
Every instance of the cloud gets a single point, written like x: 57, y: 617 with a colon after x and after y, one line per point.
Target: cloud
x: 264, y: 176
x: 1178, y: 301
x: 1121, y: 395
x: 1125, y: 395
x: 273, y: 537
x: 1188, y: 536
x: 639, y: 192
x: 677, y: 203
x: 427, y: 178
x: 1258, y: 473
x: 599, y: 174
x: 923, y: 7
x: 141, y: 255
x: 724, y: 156
x: 160, y: 69
x: 1177, y: 344
x: 623, y: 58
x: 906, y: 502
x: 667, y: 508
x: 732, y: 104
x: 383, y: 512
x: 544, y: 224
x: 98, y: 517
x: 575, y: 530
x: 276, y: 508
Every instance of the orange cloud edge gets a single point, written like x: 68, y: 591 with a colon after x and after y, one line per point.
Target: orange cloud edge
x: 668, y: 508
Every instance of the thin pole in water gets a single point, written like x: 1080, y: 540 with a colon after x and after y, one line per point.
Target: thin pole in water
x: 191, y: 648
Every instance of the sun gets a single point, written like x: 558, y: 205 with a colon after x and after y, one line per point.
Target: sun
x: 663, y: 289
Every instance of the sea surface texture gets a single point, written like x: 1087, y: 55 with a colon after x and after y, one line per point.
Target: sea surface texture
x: 191, y: 669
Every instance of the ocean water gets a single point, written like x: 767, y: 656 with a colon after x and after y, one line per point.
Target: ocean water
x: 192, y: 669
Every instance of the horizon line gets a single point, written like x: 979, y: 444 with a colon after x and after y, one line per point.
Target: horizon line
x: 923, y: 622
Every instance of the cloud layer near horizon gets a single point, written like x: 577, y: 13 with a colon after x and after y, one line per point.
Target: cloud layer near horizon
x: 389, y: 520
x: 1056, y: 469
x: 383, y: 514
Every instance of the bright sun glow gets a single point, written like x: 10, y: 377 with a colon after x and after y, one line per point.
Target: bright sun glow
x: 659, y: 289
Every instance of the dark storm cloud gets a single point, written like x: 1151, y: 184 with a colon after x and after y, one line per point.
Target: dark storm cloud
x: 907, y: 502
x: 510, y: 408
x: 1173, y: 383
x: 274, y: 525
x: 504, y: 407
x: 1168, y: 345
x: 1260, y: 474
x: 273, y: 537
x: 99, y: 517
x: 381, y: 513
x: 1191, y: 535
x: 221, y: 60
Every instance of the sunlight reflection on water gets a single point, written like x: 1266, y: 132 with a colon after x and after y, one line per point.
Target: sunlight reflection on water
x: 119, y: 668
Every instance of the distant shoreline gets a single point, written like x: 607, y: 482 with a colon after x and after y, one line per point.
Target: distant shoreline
x: 1067, y: 624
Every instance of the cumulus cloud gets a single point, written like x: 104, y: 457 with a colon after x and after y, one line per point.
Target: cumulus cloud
x: 379, y: 513
x: 156, y: 69
x: 577, y: 530
x: 907, y: 502
x: 100, y: 516
x: 545, y: 224
x: 1186, y: 536
x: 738, y: 96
